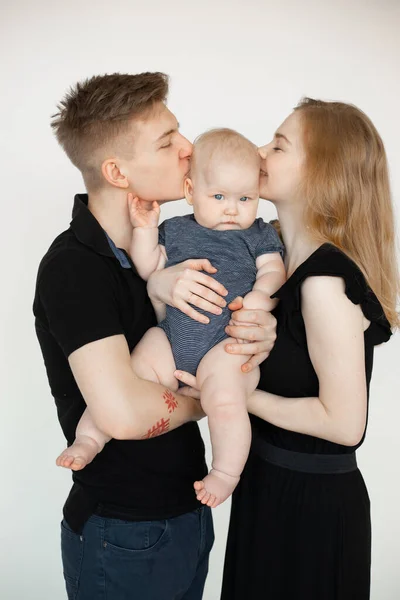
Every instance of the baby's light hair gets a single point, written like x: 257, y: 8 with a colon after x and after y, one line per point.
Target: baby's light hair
x: 225, y: 145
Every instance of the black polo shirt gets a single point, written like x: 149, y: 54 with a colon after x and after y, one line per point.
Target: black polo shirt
x: 84, y: 292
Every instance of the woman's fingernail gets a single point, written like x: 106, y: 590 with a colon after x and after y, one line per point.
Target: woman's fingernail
x: 229, y: 348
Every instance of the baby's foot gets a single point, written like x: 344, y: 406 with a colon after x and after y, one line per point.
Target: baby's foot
x: 80, y: 454
x: 215, y: 488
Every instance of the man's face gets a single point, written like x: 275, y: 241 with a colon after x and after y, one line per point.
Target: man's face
x: 161, y: 158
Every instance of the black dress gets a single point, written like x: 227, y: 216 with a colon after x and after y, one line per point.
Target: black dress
x: 297, y: 535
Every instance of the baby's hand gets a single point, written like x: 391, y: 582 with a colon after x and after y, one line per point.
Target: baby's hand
x: 143, y: 214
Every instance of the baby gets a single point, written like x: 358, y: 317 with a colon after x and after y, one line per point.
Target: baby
x: 223, y: 190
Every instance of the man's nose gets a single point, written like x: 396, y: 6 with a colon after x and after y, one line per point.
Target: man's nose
x: 186, y: 148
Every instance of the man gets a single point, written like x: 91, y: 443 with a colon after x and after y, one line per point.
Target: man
x: 132, y: 526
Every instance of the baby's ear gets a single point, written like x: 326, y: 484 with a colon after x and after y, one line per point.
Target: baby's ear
x: 188, y: 186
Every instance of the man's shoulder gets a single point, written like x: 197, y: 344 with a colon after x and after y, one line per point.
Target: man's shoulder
x: 67, y: 253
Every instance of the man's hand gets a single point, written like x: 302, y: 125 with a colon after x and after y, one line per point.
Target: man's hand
x: 184, y: 285
x: 191, y: 388
x: 255, y: 327
x: 143, y: 214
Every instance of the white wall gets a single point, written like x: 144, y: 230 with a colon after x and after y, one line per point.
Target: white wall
x: 241, y: 64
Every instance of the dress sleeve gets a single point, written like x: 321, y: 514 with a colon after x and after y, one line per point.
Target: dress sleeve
x: 268, y: 240
x: 330, y: 261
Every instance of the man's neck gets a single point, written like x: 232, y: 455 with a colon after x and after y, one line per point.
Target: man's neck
x: 298, y: 243
x: 110, y: 208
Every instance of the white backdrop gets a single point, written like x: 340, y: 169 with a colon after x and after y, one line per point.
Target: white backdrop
x: 236, y: 63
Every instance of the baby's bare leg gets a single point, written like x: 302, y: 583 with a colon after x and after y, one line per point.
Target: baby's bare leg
x: 151, y: 359
x: 224, y: 393
x: 89, y: 441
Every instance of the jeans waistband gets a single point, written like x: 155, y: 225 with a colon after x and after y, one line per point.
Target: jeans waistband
x: 300, y: 461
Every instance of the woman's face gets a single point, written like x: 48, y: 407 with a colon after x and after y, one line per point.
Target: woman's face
x: 282, y: 162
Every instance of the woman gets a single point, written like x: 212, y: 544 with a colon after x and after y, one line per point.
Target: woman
x: 300, y: 522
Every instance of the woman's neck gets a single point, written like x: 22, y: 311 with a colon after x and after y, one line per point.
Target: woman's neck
x: 110, y: 208
x: 298, y: 244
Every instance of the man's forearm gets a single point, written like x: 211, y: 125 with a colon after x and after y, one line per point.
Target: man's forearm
x: 150, y: 410
x: 121, y: 404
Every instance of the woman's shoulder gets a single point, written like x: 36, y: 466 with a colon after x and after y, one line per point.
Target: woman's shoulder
x: 330, y: 261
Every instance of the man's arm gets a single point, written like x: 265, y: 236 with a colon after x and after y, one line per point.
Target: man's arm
x: 121, y: 404
x: 80, y: 304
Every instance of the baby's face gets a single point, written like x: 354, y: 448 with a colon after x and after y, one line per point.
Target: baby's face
x: 224, y: 196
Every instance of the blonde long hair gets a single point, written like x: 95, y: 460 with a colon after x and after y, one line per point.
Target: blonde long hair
x: 348, y: 193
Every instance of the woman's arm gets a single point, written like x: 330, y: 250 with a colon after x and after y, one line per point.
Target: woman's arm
x: 335, y: 338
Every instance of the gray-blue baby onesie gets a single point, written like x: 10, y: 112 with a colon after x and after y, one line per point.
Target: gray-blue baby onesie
x: 234, y: 254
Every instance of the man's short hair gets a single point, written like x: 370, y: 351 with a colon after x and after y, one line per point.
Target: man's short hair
x: 96, y: 113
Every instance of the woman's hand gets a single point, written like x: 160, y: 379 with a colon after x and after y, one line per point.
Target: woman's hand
x: 184, y: 285
x: 256, y: 328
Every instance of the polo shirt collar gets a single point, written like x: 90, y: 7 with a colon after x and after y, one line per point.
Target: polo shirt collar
x: 86, y: 227
x: 89, y: 232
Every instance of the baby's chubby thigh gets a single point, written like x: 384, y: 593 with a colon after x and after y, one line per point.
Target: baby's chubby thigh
x: 221, y: 380
x: 152, y: 359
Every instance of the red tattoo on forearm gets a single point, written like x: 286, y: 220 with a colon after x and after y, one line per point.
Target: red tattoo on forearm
x: 160, y: 427
x: 170, y: 401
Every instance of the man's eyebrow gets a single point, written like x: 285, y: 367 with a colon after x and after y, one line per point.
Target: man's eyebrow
x: 168, y: 132
x: 281, y: 136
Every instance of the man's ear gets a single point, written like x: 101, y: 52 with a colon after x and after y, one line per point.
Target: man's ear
x: 113, y: 173
x: 188, y: 186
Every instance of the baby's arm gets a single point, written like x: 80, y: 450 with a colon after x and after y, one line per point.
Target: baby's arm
x: 146, y: 253
x: 271, y: 275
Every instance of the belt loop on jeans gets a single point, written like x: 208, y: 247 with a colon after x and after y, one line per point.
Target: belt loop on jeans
x: 301, y: 461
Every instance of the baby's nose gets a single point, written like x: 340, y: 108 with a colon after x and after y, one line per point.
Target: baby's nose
x: 231, y: 209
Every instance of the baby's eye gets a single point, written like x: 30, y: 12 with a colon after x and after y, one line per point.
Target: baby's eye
x: 244, y: 198
x: 218, y: 196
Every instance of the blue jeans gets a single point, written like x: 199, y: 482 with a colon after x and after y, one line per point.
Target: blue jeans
x: 131, y: 560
